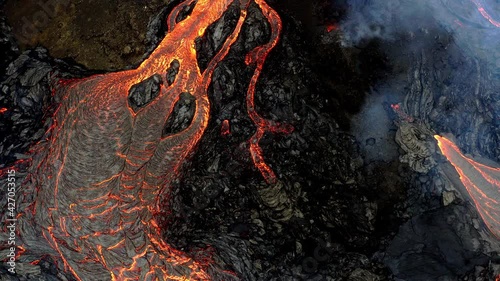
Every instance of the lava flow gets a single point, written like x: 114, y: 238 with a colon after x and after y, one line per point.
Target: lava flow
x: 96, y: 184
x: 258, y: 56
x: 484, y: 13
x: 482, y: 183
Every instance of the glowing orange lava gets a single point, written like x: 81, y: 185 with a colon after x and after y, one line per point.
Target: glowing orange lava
x: 258, y: 56
x: 225, y: 129
x: 105, y: 167
x: 482, y: 183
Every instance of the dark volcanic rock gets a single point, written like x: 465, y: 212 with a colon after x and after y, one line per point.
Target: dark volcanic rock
x: 26, y: 96
x: 458, y: 94
x: 182, y: 114
x: 448, y: 91
x: 144, y: 92
x: 439, y: 245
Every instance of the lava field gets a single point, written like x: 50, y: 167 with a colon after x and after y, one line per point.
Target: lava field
x: 250, y: 140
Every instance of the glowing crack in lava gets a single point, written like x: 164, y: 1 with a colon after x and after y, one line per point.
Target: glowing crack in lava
x: 100, y: 179
x: 484, y: 13
x: 482, y: 183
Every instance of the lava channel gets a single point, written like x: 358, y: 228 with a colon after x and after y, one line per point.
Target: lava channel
x: 484, y: 13
x: 99, y: 181
x: 482, y: 183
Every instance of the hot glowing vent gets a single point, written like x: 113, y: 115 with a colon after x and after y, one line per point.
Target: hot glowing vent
x: 484, y: 13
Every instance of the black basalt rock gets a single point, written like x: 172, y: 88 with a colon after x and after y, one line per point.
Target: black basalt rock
x: 144, y: 92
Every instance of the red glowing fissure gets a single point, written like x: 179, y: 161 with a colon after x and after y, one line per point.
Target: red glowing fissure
x: 101, y: 177
x: 484, y: 13
x: 258, y: 56
x: 331, y: 27
x: 482, y: 183
x: 401, y: 114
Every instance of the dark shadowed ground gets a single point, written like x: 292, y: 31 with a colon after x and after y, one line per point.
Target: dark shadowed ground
x: 98, y: 34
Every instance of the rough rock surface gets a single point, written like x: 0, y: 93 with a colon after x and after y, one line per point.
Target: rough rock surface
x: 448, y: 92
x: 418, y: 250
x: 26, y: 96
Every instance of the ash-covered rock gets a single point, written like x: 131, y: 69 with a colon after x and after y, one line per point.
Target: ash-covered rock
x: 181, y: 115
x: 416, y: 141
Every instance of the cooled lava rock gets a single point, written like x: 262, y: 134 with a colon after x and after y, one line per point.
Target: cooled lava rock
x: 334, y: 212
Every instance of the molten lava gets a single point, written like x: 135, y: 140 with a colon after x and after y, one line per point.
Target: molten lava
x: 484, y: 13
x: 97, y: 182
x: 482, y: 183
x: 258, y: 56
x: 331, y: 27
x: 225, y: 129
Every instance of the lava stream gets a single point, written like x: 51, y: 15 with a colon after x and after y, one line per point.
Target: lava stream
x: 258, y: 56
x: 484, y: 13
x: 482, y: 183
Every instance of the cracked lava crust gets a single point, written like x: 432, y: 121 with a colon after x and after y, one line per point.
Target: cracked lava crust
x: 99, y: 180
